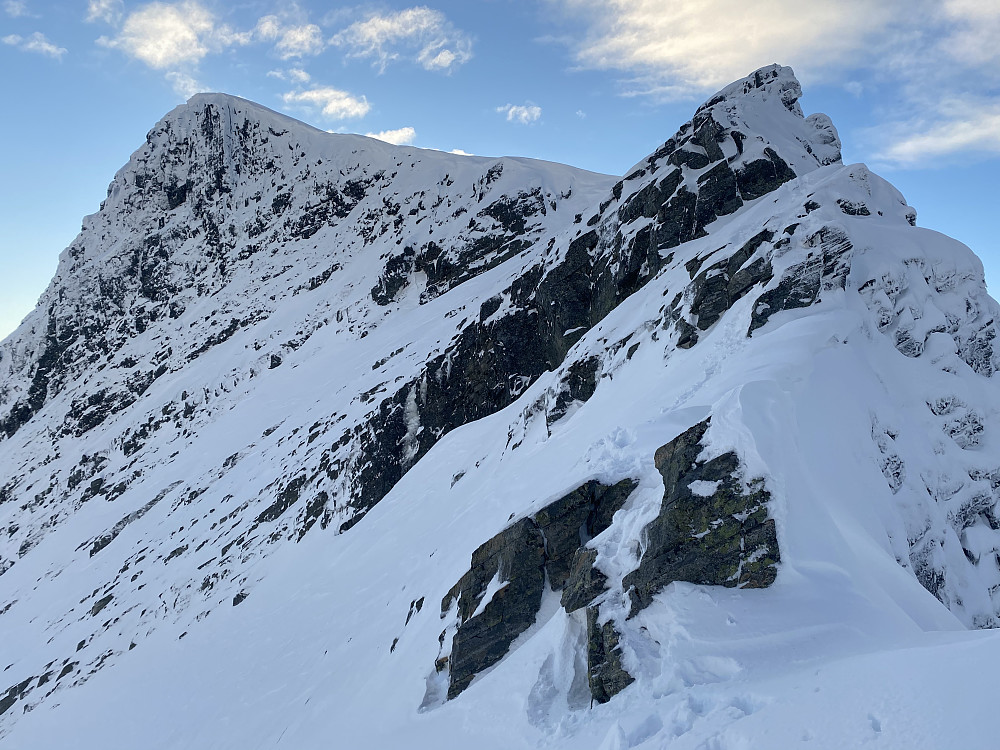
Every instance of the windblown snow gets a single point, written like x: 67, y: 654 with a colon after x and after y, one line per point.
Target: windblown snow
x: 314, y: 441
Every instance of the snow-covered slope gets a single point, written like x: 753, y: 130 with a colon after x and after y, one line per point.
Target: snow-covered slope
x: 314, y: 439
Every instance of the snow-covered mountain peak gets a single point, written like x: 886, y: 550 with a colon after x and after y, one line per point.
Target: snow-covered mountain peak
x: 756, y: 126
x: 772, y: 83
x: 491, y: 432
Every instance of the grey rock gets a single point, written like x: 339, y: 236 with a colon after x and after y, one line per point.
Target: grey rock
x: 585, y: 582
x: 521, y: 556
x: 517, y: 556
x: 606, y: 675
x: 719, y: 286
x: 761, y: 176
x: 800, y: 286
x: 721, y: 538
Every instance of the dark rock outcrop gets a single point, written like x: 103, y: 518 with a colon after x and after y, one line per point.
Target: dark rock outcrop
x: 585, y: 582
x: 711, y: 529
x: 717, y: 287
x: 573, y: 520
x: 519, y: 559
x: 826, y: 267
x: 516, y: 557
x: 605, y: 673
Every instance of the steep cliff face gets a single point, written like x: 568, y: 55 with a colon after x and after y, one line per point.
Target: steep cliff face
x: 290, y: 390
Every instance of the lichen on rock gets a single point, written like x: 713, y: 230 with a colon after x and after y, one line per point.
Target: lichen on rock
x: 721, y: 537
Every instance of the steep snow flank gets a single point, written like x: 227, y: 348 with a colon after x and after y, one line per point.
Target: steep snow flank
x: 843, y: 357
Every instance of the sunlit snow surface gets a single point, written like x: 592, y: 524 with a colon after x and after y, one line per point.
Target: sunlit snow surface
x: 846, y: 649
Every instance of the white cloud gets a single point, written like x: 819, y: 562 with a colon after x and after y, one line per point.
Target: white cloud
x: 296, y: 75
x: 16, y: 9
x: 854, y: 88
x: 332, y: 103
x: 977, y: 30
x: 183, y: 84
x: 290, y: 40
x: 680, y: 48
x: 917, y: 56
x: 109, y: 11
x: 460, y: 152
x: 167, y: 36
x: 423, y: 34
x: 398, y: 137
x: 36, y: 43
x: 524, y: 114
x: 971, y: 126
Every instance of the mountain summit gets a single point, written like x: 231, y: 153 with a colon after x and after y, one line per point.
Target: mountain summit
x: 314, y: 439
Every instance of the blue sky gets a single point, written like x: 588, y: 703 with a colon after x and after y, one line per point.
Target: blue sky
x: 912, y: 85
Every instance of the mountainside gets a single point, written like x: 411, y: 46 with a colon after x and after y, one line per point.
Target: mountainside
x: 316, y: 439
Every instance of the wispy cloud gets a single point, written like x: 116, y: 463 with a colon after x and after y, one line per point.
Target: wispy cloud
x: 681, y: 50
x: 109, y: 11
x: 291, y: 40
x: 17, y: 9
x: 525, y: 114
x: 421, y: 34
x: 184, y: 84
x: 969, y: 127
x: 332, y: 103
x: 398, y: 137
x: 295, y: 75
x: 36, y: 43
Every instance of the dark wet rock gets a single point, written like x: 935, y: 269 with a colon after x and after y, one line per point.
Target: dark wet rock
x: 763, y: 176
x: 59, y: 337
x: 100, y: 604
x: 647, y: 201
x: 516, y: 557
x: 574, y: 519
x: 853, y: 208
x: 687, y: 334
x: 520, y: 558
x: 578, y: 384
x: 489, y: 307
x: 394, y: 276
x: 676, y: 220
x: 287, y: 497
x: 690, y: 159
x: 717, y: 196
x: 717, y: 534
x: 605, y: 673
x: 719, y: 286
x: 825, y: 268
x: 585, y: 582
x: 315, y: 510
x: 13, y: 694
x: 799, y: 287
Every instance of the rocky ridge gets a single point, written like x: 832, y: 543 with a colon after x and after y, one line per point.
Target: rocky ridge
x: 266, y: 330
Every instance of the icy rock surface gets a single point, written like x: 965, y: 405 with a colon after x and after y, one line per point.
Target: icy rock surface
x: 286, y: 385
